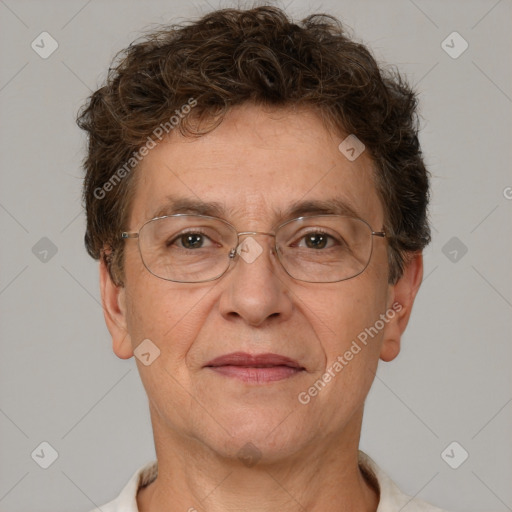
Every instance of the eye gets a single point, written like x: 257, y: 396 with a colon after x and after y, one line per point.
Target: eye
x: 318, y: 240
x: 189, y: 240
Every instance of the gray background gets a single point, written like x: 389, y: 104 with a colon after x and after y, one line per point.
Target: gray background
x: 60, y: 381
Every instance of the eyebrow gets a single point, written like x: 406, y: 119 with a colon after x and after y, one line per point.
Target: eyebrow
x: 331, y: 206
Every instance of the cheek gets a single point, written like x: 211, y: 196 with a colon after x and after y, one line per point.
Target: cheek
x: 164, y: 312
x: 340, y: 314
x: 169, y: 317
x: 345, y: 322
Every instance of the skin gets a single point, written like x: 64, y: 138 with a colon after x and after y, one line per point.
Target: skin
x: 255, y: 162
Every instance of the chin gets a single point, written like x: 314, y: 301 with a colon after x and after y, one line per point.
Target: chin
x: 262, y: 440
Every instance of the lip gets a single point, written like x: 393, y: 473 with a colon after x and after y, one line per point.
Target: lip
x: 255, y: 368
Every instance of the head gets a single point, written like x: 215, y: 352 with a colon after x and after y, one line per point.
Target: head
x: 247, y: 109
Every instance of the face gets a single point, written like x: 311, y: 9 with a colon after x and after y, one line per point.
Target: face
x: 256, y: 164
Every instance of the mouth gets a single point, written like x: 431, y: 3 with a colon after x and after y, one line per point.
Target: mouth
x: 257, y: 369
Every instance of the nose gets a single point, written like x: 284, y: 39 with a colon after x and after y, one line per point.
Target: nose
x: 256, y: 289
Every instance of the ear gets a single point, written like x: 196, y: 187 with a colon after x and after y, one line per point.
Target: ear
x: 114, y: 310
x: 400, y: 300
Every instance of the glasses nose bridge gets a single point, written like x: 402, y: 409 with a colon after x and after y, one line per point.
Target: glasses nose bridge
x: 255, y: 233
x: 248, y: 233
x: 243, y: 233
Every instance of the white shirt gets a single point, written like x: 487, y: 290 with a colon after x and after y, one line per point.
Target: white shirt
x: 391, y: 498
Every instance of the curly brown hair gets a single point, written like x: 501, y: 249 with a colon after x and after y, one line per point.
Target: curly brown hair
x: 233, y: 56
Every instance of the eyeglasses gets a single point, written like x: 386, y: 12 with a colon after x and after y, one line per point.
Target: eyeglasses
x: 196, y: 248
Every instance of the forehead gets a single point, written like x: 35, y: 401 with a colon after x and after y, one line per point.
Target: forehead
x: 257, y: 167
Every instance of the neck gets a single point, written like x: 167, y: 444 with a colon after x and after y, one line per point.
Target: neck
x: 321, y: 477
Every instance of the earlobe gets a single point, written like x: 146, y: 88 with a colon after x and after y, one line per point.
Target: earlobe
x: 400, y: 302
x: 114, y: 310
